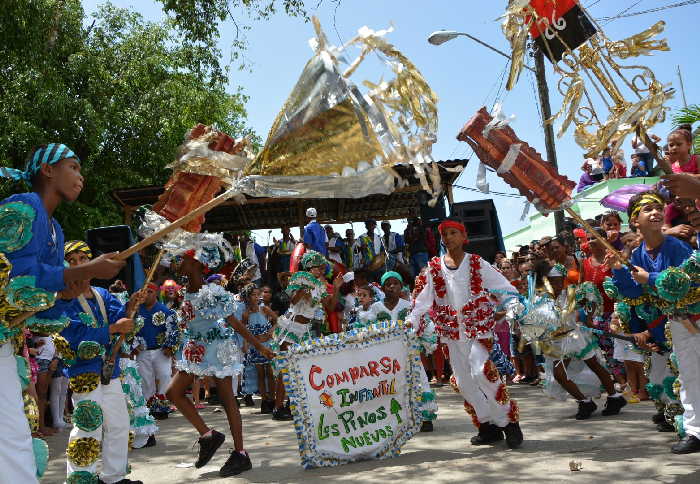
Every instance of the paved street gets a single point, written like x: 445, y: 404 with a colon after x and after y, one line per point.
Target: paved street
x: 625, y: 448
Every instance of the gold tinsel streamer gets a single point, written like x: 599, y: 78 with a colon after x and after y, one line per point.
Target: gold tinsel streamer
x: 692, y: 297
x: 132, y: 436
x: 84, y: 451
x: 31, y: 410
x: 597, y: 60
x: 84, y: 383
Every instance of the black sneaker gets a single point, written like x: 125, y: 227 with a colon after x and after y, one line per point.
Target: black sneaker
x: 235, y: 464
x: 658, y: 418
x: 613, y: 405
x: 687, y: 445
x: 248, y: 401
x: 208, y: 445
x: 665, y: 427
x: 514, y: 436
x: 123, y: 481
x: 585, y: 410
x: 488, y: 434
x: 151, y: 442
x: 160, y: 415
x: 266, y: 406
x: 426, y: 426
x: 282, y: 414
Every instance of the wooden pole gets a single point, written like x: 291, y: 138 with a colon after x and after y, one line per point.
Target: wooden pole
x: 600, y: 239
x: 153, y: 238
x: 108, y: 366
x: 543, y: 91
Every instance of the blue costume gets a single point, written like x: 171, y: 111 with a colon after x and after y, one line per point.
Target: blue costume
x: 153, y: 331
x: 315, y: 237
x: 33, y: 245
x: 207, y: 348
x: 671, y: 253
x: 88, y: 333
x: 257, y: 324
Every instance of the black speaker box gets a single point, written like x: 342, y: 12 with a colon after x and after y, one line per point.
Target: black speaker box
x: 117, y: 238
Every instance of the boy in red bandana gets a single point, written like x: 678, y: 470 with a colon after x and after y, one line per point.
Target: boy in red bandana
x: 460, y: 290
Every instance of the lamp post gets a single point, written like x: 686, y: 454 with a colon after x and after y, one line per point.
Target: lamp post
x: 441, y: 36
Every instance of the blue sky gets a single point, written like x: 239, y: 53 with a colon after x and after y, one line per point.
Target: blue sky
x: 464, y: 75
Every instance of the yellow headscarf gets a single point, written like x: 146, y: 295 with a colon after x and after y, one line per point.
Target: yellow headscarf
x: 645, y: 199
x: 76, y: 245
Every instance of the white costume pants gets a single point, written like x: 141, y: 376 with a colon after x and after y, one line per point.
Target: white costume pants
x: 113, y: 433
x: 480, y: 383
x: 154, y: 365
x: 59, y: 393
x: 659, y: 371
x: 16, y: 452
x: 686, y: 346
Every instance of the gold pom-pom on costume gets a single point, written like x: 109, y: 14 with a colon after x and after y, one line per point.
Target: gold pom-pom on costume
x: 31, y: 410
x: 84, y: 451
x: 84, y: 383
x: 132, y: 436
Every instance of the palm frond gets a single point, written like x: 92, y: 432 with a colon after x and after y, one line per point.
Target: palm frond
x: 690, y: 115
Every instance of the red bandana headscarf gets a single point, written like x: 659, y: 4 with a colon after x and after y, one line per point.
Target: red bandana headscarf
x: 451, y: 224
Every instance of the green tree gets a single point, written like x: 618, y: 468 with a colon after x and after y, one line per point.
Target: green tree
x: 120, y: 91
x: 199, y: 21
x: 690, y: 115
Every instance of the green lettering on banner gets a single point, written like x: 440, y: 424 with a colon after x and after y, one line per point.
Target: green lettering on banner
x: 381, y: 413
x: 347, y: 442
x: 395, y: 409
x: 322, y: 431
x: 347, y: 418
x: 345, y: 402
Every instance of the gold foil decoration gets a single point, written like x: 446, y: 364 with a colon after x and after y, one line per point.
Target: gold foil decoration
x: 594, y: 67
x: 328, y: 127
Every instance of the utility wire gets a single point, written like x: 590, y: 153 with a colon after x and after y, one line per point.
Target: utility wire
x: 509, y: 195
x: 651, y: 10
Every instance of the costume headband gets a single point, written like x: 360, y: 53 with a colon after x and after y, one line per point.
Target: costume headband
x: 248, y: 290
x: 311, y: 259
x: 76, y: 245
x: 244, y: 266
x: 646, y: 199
x: 555, y: 272
x: 451, y: 224
x: 52, y: 154
x: 153, y: 286
x: 389, y: 275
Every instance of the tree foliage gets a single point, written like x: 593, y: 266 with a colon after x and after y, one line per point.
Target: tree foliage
x: 120, y: 91
x: 690, y: 115
x: 199, y: 21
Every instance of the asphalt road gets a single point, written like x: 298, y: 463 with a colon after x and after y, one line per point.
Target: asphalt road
x: 623, y: 448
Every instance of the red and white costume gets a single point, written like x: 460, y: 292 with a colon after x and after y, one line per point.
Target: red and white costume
x: 462, y: 305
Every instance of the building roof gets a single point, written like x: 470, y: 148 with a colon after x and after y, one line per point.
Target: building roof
x: 272, y: 213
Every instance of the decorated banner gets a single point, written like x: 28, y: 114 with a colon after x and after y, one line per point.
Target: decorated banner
x: 354, y: 395
x: 562, y: 23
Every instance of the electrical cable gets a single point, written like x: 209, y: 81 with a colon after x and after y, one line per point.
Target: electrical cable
x: 651, y: 10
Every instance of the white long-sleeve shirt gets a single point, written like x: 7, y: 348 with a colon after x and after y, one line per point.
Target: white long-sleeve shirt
x: 461, y: 301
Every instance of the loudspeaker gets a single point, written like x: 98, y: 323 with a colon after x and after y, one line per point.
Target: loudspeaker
x: 483, y: 228
x: 117, y: 238
x: 430, y: 214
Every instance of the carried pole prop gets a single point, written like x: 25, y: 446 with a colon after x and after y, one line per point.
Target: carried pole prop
x: 108, y: 366
x: 151, y: 239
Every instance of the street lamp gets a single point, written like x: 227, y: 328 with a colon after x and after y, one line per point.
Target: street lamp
x: 441, y: 36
